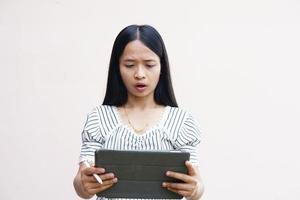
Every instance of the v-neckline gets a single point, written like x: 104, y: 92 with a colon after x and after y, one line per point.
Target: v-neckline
x: 158, y: 123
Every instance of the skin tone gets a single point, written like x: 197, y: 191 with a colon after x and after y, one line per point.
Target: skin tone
x: 139, y: 65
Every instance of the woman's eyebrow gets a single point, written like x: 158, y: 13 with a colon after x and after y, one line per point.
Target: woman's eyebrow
x: 133, y: 60
x: 150, y: 60
x: 129, y: 60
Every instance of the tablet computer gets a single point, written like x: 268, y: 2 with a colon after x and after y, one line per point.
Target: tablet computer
x: 141, y: 173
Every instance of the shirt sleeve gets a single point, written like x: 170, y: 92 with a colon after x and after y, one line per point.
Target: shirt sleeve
x: 91, y: 137
x: 188, y: 138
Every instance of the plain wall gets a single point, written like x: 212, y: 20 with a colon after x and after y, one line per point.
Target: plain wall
x: 235, y: 66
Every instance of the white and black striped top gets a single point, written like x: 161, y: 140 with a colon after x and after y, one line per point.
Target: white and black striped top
x: 176, y: 130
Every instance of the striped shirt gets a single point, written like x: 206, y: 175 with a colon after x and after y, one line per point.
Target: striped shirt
x: 104, y: 129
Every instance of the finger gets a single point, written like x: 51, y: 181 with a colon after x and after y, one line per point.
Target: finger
x: 95, y: 185
x: 107, y: 176
x: 191, y: 168
x: 89, y: 179
x: 185, y: 193
x: 99, y: 189
x: 173, y: 190
x: 184, y: 177
x: 91, y: 167
x: 178, y: 186
x: 93, y: 170
x: 180, y: 192
x: 110, y: 181
x: 99, y: 168
x: 106, y: 179
x: 92, y: 179
x: 104, y: 184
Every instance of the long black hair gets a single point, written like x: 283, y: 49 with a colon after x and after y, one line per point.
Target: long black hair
x: 116, y: 92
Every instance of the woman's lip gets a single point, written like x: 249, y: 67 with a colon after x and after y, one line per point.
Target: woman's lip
x: 140, y: 88
x: 140, y: 85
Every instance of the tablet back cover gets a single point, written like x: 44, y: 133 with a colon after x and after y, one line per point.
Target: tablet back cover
x: 141, y: 173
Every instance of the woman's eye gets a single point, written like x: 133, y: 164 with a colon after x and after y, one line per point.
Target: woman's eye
x: 150, y: 66
x: 129, y: 65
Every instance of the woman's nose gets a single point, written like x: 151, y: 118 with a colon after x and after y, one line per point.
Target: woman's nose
x: 139, y: 73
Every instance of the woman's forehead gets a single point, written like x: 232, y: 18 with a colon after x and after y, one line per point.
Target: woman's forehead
x: 137, y: 50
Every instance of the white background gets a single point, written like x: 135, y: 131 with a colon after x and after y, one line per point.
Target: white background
x: 235, y: 65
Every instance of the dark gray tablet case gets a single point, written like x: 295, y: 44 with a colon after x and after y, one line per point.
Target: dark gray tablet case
x: 141, y: 173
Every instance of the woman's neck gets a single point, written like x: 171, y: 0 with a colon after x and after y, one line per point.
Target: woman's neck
x: 140, y: 103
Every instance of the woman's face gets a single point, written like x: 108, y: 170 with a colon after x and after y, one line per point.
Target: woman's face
x: 139, y: 69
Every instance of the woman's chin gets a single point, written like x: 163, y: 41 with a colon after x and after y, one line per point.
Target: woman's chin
x: 141, y: 94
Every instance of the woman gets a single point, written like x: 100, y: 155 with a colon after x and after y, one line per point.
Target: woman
x: 139, y: 112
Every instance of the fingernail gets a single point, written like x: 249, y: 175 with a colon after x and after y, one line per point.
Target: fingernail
x: 115, y: 180
x: 164, y: 184
x: 168, y: 173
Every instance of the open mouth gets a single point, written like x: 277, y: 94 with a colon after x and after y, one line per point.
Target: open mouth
x: 140, y: 86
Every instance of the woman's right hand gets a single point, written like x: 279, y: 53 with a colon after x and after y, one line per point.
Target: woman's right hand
x: 89, y: 182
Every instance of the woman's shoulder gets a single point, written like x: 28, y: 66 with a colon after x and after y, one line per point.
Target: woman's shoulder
x: 182, y: 125
x: 102, y: 108
x: 105, y: 115
x: 178, y: 117
x: 175, y: 118
x: 176, y: 113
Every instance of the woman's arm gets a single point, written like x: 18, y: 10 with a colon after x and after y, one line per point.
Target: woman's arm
x: 85, y: 184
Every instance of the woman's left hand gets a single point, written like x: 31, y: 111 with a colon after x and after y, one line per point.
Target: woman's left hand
x: 191, y: 188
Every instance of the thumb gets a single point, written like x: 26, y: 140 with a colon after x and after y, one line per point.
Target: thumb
x: 88, y: 168
x: 191, y: 168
